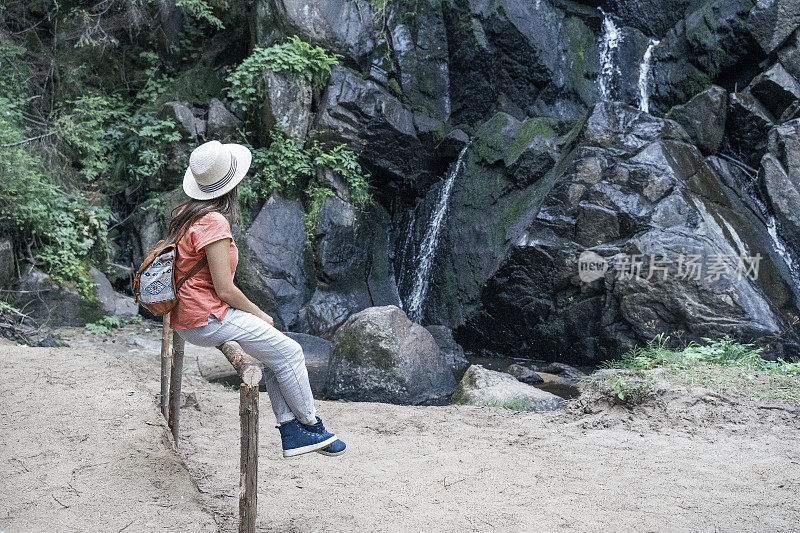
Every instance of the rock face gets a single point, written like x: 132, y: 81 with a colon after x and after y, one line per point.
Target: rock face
x: 771, y: 22
x: 632, y: 190
x: 113, y: 302
x: 49, y: 304
x: 379, y: 355
x: 780, y: 179
x: 748, y: 126
x: 483, y: 387
x: 287, y: 102
x: 452, y: 352
x: 221, y: 124
x: 273, y: 270
x: 703, y: 118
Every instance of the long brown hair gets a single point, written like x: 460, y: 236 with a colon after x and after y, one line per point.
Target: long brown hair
x: 189, y: 212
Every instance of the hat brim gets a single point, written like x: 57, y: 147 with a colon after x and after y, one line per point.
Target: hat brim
x: 243, y: 160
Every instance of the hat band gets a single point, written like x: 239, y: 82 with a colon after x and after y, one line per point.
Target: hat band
x: 222, y: 182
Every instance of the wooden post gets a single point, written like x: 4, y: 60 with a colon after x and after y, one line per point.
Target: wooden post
x: 250, y: 371
x: 164, y: 365
x: 248, y: 463
x: 178, y: 345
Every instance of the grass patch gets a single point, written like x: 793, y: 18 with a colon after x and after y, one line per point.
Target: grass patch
x: 722, y: 365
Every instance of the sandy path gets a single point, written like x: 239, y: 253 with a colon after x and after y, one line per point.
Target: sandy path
x: 82, y: 448
x: 460, y: 468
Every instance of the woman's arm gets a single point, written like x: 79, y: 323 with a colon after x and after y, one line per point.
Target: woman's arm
x: 219, y: 262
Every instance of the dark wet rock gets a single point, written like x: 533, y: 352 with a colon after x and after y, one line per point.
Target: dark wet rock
x: 524, y: 374
x: 113, y: 302
x: 339, y: 253
x: 287, y: 102
x: 221, y: 125
x: 710, y: 44
x: 342, y: 26
x: 632, y: 188
x: 449, y: 348
x: 653, y: 17
x: 52, y: 342
x: 780, y: 179
x: 563, y: 370
x: 272, y: 271
x: 703, y: 118
x: 483, y: 387
x: 379, y: 355
x: 185, y: 120
x: 776, y: 89
x: 534, y: 54
x: 748, y: 125
x: 772, y: 22
x: 419, y: 45
x: 789, y: 55
x: 46, y: 303
x: 7, y: 270
x: 373, y: 122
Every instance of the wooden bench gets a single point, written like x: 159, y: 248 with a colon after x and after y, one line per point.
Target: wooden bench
x: 249, y: 371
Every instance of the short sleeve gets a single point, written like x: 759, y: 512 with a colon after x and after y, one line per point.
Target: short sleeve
x: 209, y: 228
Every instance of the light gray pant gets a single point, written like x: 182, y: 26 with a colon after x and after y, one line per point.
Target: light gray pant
x: 284, y: 363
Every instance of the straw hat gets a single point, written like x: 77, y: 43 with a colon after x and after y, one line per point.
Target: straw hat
x: 215, y: 168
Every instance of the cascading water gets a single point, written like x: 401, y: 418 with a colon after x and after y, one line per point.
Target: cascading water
x: 644, y: 76
x: 609, y: 47
x: 424, y: 260
x: 780, y: 247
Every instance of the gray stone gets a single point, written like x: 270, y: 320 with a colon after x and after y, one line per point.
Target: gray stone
x: 524, y: 374
x: 287, y: 103
x: 483, y: 387
x: 452, y: 352
x: 6, y: 263
x: 771, y: 22
x: 339, y: 252
x: 789, y: 55
x: 780, y: 180
x: 47, y: 303
x: 380, y: 355
x: 222, y: 125
x: 776, y: 89
x: 748, y: 125
x: 185, y: 120
x: 113, y: 302
x: 273, y: 269
x: 703, y: 118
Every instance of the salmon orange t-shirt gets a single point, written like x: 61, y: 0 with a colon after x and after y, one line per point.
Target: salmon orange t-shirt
x: 197, y: 298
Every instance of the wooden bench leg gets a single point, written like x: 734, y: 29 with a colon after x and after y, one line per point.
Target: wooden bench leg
x: 248, y: 464
x: 178, y: 345
x: 165, y: 364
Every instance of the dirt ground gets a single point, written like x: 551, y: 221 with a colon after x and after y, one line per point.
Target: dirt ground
x: 83, y: 448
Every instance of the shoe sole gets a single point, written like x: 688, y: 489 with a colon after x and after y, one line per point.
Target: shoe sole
x: 310, y: 448
x: 331, y: 454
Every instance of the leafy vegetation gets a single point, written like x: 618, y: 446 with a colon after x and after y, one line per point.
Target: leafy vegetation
x: 292, y: 56
x: 723, y: 365
x: 110, y: 324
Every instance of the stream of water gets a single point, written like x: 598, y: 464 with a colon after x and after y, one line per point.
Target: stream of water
x: 644, y: 76
x: 609, y: 47
x: 427, y: 251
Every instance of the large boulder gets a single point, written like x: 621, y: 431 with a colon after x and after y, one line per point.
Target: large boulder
x: 342, y: 26
x: 703, y: 118
x: 221, y: 124
x: 113, y: 302
x: 789, y: 55
x: 187, y: 120
x: 772, y: 22
x: 47, y: 303
x: 273, y: 270
x: 748, y: 126
x: 286, y: 103
x: 379, y: 355
x: 780, y: 180
x: 776, y: 89
x: 483, y: 387
x: 636, y: 199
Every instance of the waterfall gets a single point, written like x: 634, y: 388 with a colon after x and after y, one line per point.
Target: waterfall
x: 644, y: 76
x: 780, y: 247
x: 424, y: 260
x: 609, y: 46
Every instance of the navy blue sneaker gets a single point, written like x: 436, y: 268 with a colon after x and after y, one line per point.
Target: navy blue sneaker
x: 337, y: 448
x: 297, y: 439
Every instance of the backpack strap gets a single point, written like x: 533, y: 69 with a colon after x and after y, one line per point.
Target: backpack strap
x: 192, y: 271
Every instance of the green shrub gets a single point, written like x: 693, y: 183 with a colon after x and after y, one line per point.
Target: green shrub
x: 292, y: 56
